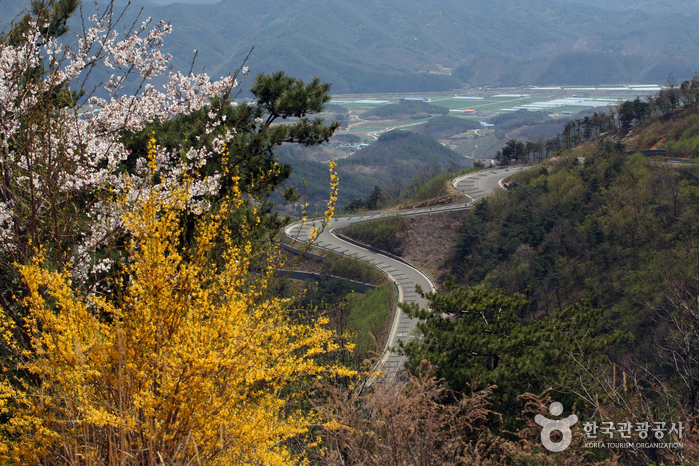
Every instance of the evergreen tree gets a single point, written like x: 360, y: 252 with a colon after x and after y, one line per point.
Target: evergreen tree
x: 480, y: 334
x: 50, y: 15
x: 373, y: 201
x: 278, y: 115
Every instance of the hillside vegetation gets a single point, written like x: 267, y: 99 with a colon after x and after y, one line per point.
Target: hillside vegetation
x: 598, y: 221
x: 678, y: 133
x: 596, y: 224
x: 382, y: 234
x: 403, y: 149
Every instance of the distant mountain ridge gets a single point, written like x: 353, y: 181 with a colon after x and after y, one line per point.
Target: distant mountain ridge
x: 368, y: 46
x: 383, y: 46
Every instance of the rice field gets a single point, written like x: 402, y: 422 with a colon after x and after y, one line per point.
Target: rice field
x: 456, y: 104
x: 491, y: 101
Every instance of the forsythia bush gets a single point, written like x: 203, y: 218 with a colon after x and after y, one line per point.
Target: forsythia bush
x: 187, y: 367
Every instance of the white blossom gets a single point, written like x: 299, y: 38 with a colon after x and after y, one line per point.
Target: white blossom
x: 79, y: 157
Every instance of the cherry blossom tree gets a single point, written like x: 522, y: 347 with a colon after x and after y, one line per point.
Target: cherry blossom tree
x: 61, y: 154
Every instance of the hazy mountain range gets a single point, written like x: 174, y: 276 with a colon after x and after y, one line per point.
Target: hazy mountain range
x: 410, y: 45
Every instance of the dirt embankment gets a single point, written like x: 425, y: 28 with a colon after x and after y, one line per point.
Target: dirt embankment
x: 427, y: 241
x: 430, y: 241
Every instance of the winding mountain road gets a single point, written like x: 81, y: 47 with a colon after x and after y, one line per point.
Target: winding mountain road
x: 405, y: 275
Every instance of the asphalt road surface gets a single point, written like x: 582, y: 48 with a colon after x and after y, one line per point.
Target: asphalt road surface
x: 405, y: 275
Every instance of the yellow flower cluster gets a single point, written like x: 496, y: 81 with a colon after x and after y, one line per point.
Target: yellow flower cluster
x: 332, y: 201
x: 152, y: 164
x: 189, y: 360
x: 334, y: 186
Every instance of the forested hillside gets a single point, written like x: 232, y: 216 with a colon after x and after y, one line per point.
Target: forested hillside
x: 607, y: 226
x: 404, y: 147
x: 597, y: 224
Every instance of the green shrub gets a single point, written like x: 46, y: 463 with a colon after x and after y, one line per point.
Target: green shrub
x: 368, y: 314
x: 352, y: 269
x: 382, y: 234
x: 436, y: 187
x: 683, y: 138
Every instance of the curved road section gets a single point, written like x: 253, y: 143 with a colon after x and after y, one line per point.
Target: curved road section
x: 405, y: 275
